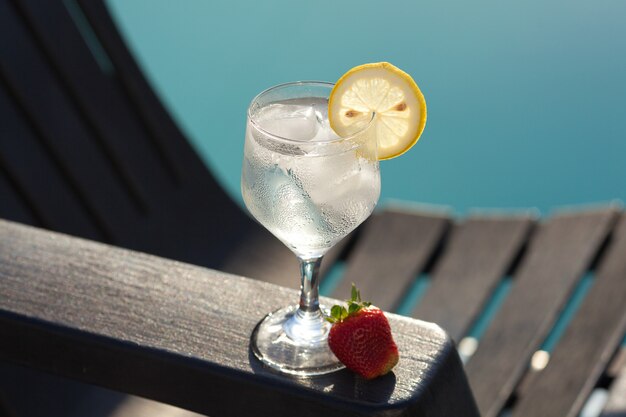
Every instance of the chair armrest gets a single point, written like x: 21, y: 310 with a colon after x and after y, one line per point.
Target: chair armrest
x: 179, y: 334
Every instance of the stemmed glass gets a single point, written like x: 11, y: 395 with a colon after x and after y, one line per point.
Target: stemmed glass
x: 309, y: 188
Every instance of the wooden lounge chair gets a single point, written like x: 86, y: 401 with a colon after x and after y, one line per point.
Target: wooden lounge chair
x: 87, y: 149
x: 93, y: 308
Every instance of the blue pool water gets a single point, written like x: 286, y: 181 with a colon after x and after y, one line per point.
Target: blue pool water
x: 526, y: 99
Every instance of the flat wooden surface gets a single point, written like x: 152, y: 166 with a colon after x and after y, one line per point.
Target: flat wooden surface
x: 618, y: 363
x: 616, y: 403
x: 393, y: 247
x: 90, y: 151
x: 590, y: 341
x: 562, y: 250
x: 547, y: 261
x: 179, y: 334
x: 478, y: 255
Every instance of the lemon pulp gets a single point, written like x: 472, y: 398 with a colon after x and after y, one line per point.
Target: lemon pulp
x: 391, y: 94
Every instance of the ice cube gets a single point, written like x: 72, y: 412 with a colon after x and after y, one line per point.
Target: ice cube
x: 290, y: 204
x: 327, y: 178
x: 325, y: 133
x: 291, y: 121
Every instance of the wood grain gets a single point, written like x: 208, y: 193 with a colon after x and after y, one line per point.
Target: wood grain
x: 393, y: 247
x: 161, y: 128
x: 179, y: 334
x: 102, y: 104
x: 617, y: 363
x: 616, y: 404
x: 262, y: 256
x: 16, y: 205
x: 590, y: 341
x: 58, y: 126
x: 56, y: 204
x: 96, y: 155
x: 558, y: 255
x: 478, y: 255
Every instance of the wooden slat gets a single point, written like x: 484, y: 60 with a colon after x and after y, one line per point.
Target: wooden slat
x: 392, y: 248
x: 478, y: 255
x: 201, y: 201
x: 558, y: 255
x: 589, y: 342
x: 59, y: 127
x: 262, y: 256
x: 100, y: 100
x: 180, y: 334
x: 617, y: 363
x: 163, y: 131
x: 15, y: 205
x: 38, y: 179
x: 616, y: 404
x: 51, y: 82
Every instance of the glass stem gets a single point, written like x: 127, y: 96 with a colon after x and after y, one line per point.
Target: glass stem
x: 307, y: 325
x: 309, y: 287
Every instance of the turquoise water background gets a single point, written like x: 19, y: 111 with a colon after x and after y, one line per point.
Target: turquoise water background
x: 526, y: 99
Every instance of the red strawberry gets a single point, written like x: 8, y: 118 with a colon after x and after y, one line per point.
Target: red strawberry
x: 361, y: 338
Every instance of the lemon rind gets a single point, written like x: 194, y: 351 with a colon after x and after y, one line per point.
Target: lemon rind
x: 410, y: 82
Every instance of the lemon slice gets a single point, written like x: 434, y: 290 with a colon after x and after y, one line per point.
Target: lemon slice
x: 391, y: 94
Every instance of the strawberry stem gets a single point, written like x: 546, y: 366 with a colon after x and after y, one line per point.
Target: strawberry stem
x: 340, y: 313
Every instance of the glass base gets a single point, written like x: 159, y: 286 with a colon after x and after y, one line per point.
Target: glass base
x: 296, y: 343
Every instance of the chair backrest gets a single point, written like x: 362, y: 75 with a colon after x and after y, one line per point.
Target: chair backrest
x: 86, y: 147
x: 536, y: 306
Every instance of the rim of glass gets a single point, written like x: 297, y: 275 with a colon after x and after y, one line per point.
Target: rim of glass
x: 299, y: 142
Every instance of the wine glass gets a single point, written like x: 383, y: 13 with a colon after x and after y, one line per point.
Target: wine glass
x: 309, y: 188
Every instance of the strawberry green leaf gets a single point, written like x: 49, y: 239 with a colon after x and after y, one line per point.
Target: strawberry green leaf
x: 335, y: 312
x: 353, y: 308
